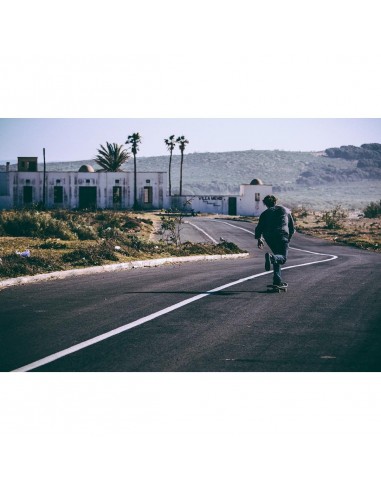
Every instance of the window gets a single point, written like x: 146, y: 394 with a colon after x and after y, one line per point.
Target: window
x: 4, y: 184
x: 58, y: 194
x: 148, y: 180
x: 148, y: 194
x: 257, y: 197
x: 117, y: 195
x: 28, y: 194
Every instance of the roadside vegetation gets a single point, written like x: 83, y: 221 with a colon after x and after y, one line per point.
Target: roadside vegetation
x: 373, y: 210
x: 353, y: 228
x: 34, y: 241
x: 361, y: 229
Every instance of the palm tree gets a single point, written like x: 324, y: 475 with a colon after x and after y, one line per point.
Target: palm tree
x: 134, y: 140
x: 182, y: 143
x: 170, y: 143
x: 112, y: 157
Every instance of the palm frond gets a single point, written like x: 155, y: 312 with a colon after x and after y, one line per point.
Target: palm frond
x: 113, y: 157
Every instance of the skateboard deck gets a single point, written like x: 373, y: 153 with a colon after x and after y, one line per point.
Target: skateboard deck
x: 277, y: 288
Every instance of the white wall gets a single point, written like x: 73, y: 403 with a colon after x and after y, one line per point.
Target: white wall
x: 212, y: 204
x: 71, y: 181
x: 249, y: 201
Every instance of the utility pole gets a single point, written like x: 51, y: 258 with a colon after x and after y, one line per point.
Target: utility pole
x: 44, y: 180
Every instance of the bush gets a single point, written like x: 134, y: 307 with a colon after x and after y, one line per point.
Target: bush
x: 299, y: 213
x: 110, y: 219
x: 111, y: 233
x: 83, y: 231
x: 62, y: 214
x: 131, y: 223
x: 230, y: 247
x: 373, y: 210
x: 222, y: 248
x: 52, y: 244
x: 94, y: 254
x: 31, y: 223
x: 334, y: 218
x: 147, y: 221
x: 12, y: 265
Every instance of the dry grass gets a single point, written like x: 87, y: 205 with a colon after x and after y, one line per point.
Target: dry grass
x: 354, y: 229
x: 90, y: 238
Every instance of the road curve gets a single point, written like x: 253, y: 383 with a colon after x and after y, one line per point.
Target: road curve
x: 203, y: 316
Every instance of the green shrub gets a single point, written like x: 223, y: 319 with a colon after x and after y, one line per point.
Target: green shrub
x: 83, y: 231
x: 32, y: 223
x: 373, y: 210
x: 147, y: 221
x: 333, y: 218
x: 230, y: 247
x: 94, y: 254
x: 52, y: 243
x: 111, y: 233
x: 12, y: 265
x: 300, y: 213
x: 222, y: 248
x: 131, y: 223
x: 136, y: 243
x: 110, y: 219
x: 62, y: 214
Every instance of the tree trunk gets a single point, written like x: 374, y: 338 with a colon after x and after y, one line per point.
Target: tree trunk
x: 181, y: 174
x: 169, y: 174
x: 135, y: 186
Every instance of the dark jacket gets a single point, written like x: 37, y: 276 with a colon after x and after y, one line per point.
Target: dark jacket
x: 275, y: 223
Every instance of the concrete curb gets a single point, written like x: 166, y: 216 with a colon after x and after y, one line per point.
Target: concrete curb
x: 113, y: 268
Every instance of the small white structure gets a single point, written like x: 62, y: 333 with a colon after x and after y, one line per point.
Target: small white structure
x: 247, y: 203
x: 86, y: 188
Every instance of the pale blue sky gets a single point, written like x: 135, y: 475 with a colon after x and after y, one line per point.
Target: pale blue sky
x: 78, y: 139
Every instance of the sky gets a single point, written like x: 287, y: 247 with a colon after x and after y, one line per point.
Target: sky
x: 71, y: 139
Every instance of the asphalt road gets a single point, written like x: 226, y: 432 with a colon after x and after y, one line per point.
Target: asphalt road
x: 166, y: 318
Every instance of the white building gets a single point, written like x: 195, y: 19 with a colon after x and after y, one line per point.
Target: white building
x: 247, y: 203
x: 115, y: 190
x: 82, y: 189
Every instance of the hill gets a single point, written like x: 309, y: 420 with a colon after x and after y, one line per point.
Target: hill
x: 349, y: 176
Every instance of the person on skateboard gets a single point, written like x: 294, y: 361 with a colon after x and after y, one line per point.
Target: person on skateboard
x: 276, y: 225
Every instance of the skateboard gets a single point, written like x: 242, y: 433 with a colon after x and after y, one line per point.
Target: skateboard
x: 277, y: 288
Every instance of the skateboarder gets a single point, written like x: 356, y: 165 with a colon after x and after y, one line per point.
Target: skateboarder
x: 276, y: 225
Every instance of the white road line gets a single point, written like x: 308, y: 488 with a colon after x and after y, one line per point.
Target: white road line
x: 202, y: 230
x: 121, y: 329
x: 291, y: 247
x: 237, y: 227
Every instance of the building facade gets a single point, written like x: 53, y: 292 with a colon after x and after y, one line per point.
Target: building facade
x: 82, y: 189
x: 87, y: 189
